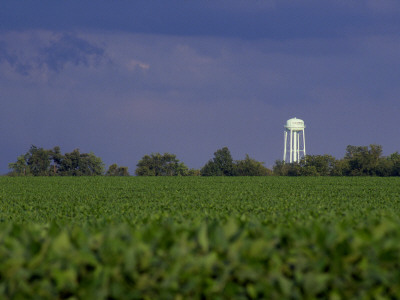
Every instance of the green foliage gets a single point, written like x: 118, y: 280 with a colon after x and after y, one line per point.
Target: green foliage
x: 293, y: 169
x: 114, y: 170
x: 280, y: 168
x: 220, y: 165
x: 207, y: 260
x: 81, y: 164
x: 193, y: 172
x: 38, y: 161
x: 223, y: 165
x: 250, y: 167
x: 41, y: 162
x: 363, y: 161
x: 395, y: 163
x: 358, y: 161
x: 318, y: 165
x: 20, y: 167
x: 57, y: 158
x: 309, y: 170
x: 199, y: 238
x: 158, y: 164
x: 341, y: 168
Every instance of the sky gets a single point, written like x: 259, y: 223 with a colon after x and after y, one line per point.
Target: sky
x: 123, y: 79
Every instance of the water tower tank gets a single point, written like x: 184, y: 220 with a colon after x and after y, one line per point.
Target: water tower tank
x: 295, y: 124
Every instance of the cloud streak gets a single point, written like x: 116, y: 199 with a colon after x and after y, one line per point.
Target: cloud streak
x: 69, y: 49
x: 280, y: 20
x: 29, y: 57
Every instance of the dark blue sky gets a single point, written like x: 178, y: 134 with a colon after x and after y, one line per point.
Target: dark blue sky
x: 127, y: 78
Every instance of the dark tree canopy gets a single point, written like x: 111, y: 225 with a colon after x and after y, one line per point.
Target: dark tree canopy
x: 250, y: 167
x: 41, y: 162
x: 115, y: 170
x: 81, y: 164
x: 20, y: 167
x: 157, y: 164
x: 358, y: 161
x: 38, y: 161
x: 220, y: 165
x: 363, y: 161
x: 223, y: 165
x: 320, y: 165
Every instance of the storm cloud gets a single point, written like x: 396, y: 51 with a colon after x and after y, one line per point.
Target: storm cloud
x: 29, y: 53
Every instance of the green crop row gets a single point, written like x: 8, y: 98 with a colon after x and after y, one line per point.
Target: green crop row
x: 233, y: 259
x: 277, y: 199
x: 199, y: 238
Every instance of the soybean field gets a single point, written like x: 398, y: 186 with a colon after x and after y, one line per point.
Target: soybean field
x: 199, y: 238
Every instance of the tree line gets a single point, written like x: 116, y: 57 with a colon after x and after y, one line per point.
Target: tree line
x: 51, y: 162
x: 358, y: 161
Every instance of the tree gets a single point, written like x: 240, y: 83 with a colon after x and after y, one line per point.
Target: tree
x: 56, y: 157
x: 395, y: 164
x: 20, y: 167
x: 158, y: 164
x: 384, y: 167
x: 341, y: 168
x: 280, y: 168
x: 38, y: 161
x: 294, y: 169
x: 363, y: 161
x: 91, y: 165
x: 323, y: 164
x: 220, y: 165
x: 41, y: 162
x: 114, y: 170
x: 210, y: 169
x: 286, y: 169
x: 193, y: 172
x: 69, y: 165
x: 81, y: 164
x: 358, y: 161
x: 35, y: 162
x: 309, y: 171
x: 250, y: 167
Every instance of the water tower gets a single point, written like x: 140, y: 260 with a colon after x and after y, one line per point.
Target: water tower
x: 294, y: 132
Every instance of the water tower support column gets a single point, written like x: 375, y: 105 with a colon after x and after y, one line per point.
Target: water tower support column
x: 298, y: 146
x: 284, y: 145
x: 291, y: 147
x: 294, y: 146
x: 304, y: 144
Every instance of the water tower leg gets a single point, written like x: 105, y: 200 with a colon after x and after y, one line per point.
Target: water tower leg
x: 284, y: 146
x: 304, y: 144
x: 294, y: 146
x: 298, y: 146
x: 291, y: 146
